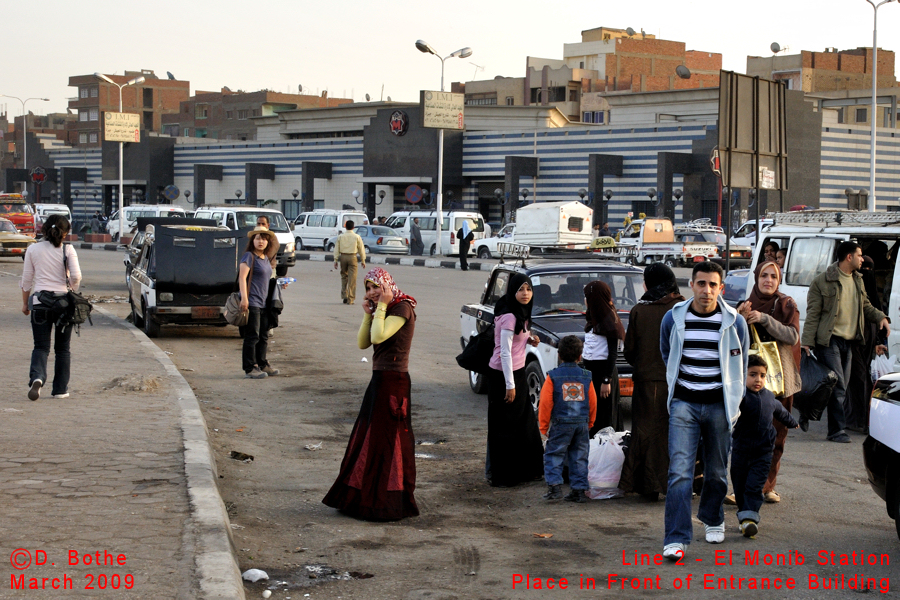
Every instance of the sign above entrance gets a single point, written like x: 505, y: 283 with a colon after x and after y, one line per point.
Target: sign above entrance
x: 38, y: 175
x: 442, y: 110
x: 122, y: 127
x: 399, y: 123
x: 414, y: 194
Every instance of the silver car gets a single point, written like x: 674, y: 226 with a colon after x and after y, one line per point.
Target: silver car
x: 377, y: 240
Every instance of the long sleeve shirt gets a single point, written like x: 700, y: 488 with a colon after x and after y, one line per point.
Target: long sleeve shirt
x: 545, y: 406
x: 44, y: 269
x: 349, y: 243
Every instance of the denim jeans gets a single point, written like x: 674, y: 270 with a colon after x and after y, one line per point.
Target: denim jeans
x: 42, y: 326
x: 749, y: 471
x: 838, y: 356
x: 567, y: 441
x: 688, y: 423
x: 256, y: 339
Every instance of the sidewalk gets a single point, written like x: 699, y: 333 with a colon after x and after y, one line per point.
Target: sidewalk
x: 122, y: 468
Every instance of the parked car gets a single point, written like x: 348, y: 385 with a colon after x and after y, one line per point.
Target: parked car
x: 243, y: 217
x: 703, y: 231
x: 133, y: 211
x: 558, y: 310
x: 746, y: 233
x: 42, y: 211
x: 881, y: 450
x: 15, y: 207
x: 13, y: 243
x: 738, y: 283
x: 376, y: 240
x: 451, y: 223
x: 183, y: 275
x: 314, y: 229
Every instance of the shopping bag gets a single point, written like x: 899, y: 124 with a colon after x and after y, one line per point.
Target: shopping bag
x: 818, y: 382
x: 769, y: 353
x: 882, y: 365
x: 605, y: 460
x: 478, y: 352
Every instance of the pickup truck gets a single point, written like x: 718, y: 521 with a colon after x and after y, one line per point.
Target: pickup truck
x: 544, y: 225
x: 653, y: 240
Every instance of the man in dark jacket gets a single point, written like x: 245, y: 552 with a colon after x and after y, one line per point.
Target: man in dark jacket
x: 837, y: 309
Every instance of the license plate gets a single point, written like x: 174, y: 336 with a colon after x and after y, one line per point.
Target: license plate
x: 205, y: 312
x: 393, y: 243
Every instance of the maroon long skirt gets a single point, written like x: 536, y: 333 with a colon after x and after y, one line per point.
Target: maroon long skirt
x: 378, y: 473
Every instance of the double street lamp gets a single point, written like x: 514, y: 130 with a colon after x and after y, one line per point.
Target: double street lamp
x: 461, y: 53
x: 134, y: 81
x: 24, y: 125
x: 875, y: 7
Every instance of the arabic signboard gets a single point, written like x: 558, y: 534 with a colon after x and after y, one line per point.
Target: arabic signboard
x: 766, y: 178
x: 442, y: 110
x: 122, y: 127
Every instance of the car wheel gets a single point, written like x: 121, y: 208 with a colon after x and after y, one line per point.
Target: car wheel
x: 368, y: 251
x: 433, y: 250
x: 281, y: 270
x: 135, y: 317
x: 483, y: 252
x: 671, y: 263
x: 476, y: 382
x: 534, y: 377
x: 324, y: 244
x: 115, y: 237
x: 630, y: 260
x: 298, y: 244
x: 330, y: 248
x: 151, y: 325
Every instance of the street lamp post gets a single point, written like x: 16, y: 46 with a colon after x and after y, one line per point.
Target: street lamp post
x: 24, y: 125
x: 875, y: 7
x: 134, y: 81
x: 461, y: 53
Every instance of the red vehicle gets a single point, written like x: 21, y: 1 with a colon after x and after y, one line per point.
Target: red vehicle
x: 15, y: 208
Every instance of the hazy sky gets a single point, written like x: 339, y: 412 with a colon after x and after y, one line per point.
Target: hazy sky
x: 352, y: 48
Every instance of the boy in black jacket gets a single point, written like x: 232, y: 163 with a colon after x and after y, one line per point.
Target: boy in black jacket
x: 752, y: 445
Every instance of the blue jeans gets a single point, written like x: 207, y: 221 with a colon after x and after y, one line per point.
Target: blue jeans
x: 838, y: 356
x: 749, y: 471
x: 688, y: 423
x: 42, y: 327
x: 567, y: 441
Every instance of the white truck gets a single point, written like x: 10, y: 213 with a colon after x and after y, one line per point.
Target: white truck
x: 544, y: 225
x: 653, y: 240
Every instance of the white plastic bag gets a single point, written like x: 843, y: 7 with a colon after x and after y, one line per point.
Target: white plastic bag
x: 605, y: 465
x: 882, y: 365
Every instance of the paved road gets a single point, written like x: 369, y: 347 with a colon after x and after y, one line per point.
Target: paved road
x: 471, y: 540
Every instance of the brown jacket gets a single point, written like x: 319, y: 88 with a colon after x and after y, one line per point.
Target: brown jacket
x: 642, y: 338
x: 822, y: 303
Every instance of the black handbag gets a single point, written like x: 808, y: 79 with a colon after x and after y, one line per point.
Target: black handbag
x: 478, y: 352
x: 818, y: 382
x: 79, y: 308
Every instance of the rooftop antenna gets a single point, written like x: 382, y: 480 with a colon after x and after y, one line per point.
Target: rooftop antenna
x: 382, y: 93
x: 477, y: 68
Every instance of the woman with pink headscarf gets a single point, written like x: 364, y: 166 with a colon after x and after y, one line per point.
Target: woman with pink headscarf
x: 378, y: 474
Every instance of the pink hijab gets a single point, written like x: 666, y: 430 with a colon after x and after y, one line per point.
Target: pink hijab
x: 383, y: 279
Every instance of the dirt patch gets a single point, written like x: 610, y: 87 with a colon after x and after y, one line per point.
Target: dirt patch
x: 133, y: 383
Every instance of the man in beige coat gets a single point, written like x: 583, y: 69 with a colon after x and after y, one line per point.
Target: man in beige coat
x: 348, y: 245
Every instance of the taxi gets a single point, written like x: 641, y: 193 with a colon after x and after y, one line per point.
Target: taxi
x: 13, y: 243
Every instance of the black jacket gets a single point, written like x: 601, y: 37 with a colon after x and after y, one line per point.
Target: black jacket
x: 754, y: 430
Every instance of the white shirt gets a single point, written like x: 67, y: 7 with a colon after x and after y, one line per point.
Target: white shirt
x: 44, y: 269
x: 595, y: 347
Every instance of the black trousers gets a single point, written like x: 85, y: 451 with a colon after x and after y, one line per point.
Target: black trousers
x: 256, y: 339
x: 749, y: 472
x: 464, y: 255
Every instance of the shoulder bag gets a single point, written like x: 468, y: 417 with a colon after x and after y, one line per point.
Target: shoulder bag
x: 769, y: 353
x: 478, y: 352
x: 233, y: 313
x: 79, y: 309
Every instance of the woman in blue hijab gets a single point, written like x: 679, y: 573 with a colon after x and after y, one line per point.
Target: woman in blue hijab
x: 465, y: 236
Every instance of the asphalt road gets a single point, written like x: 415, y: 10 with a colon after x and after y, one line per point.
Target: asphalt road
x: 471, y: 541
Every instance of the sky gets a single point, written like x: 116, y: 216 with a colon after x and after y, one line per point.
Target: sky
x: 353, y: 48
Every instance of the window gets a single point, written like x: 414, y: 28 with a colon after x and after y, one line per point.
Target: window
x: 314, y: 221
x: 82, y: 92
x: 229, y: 114
x: 242, y: 115
x: 840, y: 116
x: 93, y: 138
x: 329, y: 221
x: 187, y: 132
x: 362, y: 231
x: 510, y: 101
x: 229, y: 222
x: 200, y: 132
x: 95, y: 114
x: 599, y: 116
x: 256, y: 112
x: 498, y: 289
x: 482, y: 101
x: 148, y: 97
x: 95, y: 92
x: 318, y: 204
x: 82, y: 138
x: 862, y: 115
x: 290, y: 209
x: 201, y: 111
x: 573, y: 95
x: 83, y: 115
x: 587, y: 117
x: 576, y: 224
x: 807, y: 258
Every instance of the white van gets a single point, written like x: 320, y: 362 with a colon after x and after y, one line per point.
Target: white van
x: 134, y: 211
x: 451, y: 223
x: 42, y: 211
x: 313, y: 229
x: 243, y: 216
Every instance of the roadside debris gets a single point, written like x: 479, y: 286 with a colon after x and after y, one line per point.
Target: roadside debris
x: 254, y: 575
x: 246, y: 458
x: 314, y: 446
x: 134, y: 383
x: 542, y: 535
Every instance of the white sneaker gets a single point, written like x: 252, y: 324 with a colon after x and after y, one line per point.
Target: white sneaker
x: 63, y: 395
x: 674, y: 551
x: 715, y: 534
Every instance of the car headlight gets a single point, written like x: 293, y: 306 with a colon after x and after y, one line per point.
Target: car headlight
x: 166, y: 297
x: 289, y: 247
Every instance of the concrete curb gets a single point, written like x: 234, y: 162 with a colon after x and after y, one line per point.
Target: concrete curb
x: 409, y: 261
x: 214, y: 557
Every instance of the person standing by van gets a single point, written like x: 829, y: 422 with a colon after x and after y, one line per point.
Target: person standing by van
x: 416, y: 245
x: 465, y: 236
x: 348, y: 245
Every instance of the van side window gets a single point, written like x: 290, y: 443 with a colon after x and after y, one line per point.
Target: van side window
x: 498, y: 288
x: 229, y: 222
x: 300, y: 220
x: 314, y: 221
x: 807, y: 258
x: 218, y: 217
x: 329, y: 221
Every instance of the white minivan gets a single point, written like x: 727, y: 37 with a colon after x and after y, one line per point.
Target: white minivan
x: 450, y: 224
x: 243, y: 216
x: 134, y: 211
x: 313, y: 229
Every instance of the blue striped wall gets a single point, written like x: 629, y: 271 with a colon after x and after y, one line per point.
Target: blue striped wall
x: 87, y: 158
x: 845, y: 163
x: 563, y: 160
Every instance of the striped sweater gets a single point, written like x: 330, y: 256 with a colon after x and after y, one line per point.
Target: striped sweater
x: 699, y: 373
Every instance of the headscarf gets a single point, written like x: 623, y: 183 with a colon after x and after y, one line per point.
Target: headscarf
x: 466, y: 228
x: 868, y: 275
x: 660, y: 281
x: 509, y: 304
x: 383, y: 279
x: 777, y: 304
x: 601, y: 314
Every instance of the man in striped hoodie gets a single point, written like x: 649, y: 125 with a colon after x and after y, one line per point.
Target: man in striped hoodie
x: 704, y: 345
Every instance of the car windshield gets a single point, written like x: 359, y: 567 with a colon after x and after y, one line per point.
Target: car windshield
x: 277, y: 222
x: 564, y: 292
x: 7, y: 227
x: 383, y: 231
x: 15, y: 207
x: 715, y: 238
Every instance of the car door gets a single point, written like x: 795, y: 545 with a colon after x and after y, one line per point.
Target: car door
x: 807, y: 257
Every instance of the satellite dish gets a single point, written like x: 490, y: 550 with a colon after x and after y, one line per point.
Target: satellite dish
x: 775, y: 47
x: 683, y: 72
x: 630, y: 31
x: 300, y: 88
x: 169, y: 73
x: 389, y: 98
x: 226, y: 88
x: 367, y: 98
